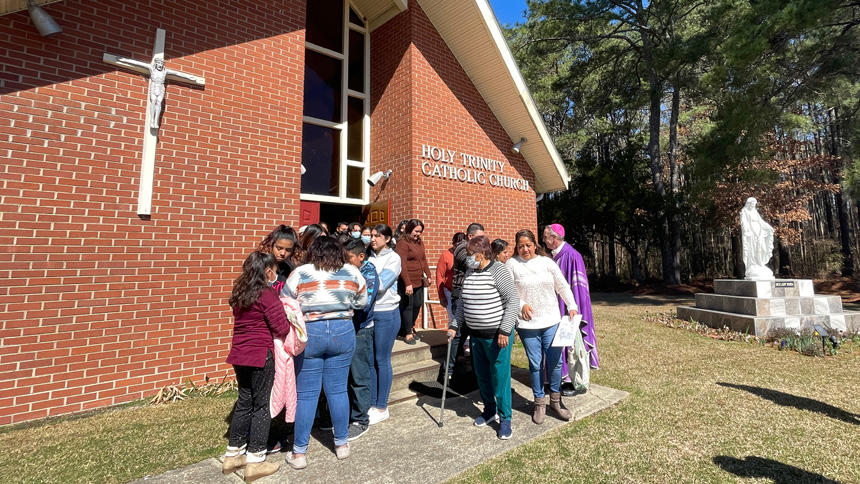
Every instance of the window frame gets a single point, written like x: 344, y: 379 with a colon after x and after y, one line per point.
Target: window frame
x: 343, y: 126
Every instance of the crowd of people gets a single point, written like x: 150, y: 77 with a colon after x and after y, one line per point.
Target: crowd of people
x: 340, y: 301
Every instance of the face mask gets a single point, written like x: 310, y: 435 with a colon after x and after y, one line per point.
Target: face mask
x: 356, y: 235
x: 365, y: 239
x: 471, y: 263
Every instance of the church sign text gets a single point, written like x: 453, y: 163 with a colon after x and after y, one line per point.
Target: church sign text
x: 451, y: 165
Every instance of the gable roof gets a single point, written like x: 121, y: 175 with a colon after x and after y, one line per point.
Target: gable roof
x: 473, y: 34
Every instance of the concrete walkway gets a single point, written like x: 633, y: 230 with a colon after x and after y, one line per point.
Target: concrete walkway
x: 410, y: 447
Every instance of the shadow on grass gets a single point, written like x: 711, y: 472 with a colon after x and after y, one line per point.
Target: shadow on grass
x: 624, y: 299
x: 778, y: 472
x: 800, y: 403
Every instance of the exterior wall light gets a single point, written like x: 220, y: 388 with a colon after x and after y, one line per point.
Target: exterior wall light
x: 518, y: 146
x: 539, y: 197
x: 45, y: 24
x: 377, y: 177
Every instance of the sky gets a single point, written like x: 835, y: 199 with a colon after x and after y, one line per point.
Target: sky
x: 509, y: 11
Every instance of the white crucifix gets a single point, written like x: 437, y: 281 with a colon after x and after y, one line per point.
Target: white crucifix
x: 158, y: 76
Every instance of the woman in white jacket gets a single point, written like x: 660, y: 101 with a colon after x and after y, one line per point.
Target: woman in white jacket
x: 538, y: 280
x: 386, y: 320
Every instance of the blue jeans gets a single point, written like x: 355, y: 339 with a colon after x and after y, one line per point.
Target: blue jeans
x: 386, y: 325
x: 541, y: 353
x: 324, y: 363
x: 360, y: 376
x: 458, y: 342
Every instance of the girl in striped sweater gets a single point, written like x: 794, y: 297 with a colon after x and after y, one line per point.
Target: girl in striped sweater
x: 489, y: 307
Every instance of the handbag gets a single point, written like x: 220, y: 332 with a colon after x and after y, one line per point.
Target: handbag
x: 565, y: 334
x: 578, y: 364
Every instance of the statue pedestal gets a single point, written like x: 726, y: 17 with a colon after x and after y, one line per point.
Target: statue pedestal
x: 756, y: 307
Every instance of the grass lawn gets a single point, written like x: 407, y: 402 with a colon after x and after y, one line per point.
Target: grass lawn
x: 700, y: 410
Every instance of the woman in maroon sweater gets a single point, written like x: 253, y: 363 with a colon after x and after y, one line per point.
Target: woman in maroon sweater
x: 414, y: 277
x: 259, y: 317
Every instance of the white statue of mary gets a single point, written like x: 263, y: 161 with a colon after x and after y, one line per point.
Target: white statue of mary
x: 757, y: 241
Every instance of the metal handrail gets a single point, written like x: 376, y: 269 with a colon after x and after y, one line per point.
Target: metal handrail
x: 427, y: 301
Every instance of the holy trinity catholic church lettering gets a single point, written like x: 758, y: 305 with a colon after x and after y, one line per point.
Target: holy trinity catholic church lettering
x: 463, y: 167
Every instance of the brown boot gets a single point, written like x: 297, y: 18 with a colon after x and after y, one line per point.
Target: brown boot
x: 540, y: 410
x: 233, y: 464
x: 256, y: 470
x: 556, y: 406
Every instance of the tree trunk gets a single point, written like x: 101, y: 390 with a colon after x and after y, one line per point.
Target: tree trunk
x: 673, y: 138
x: 655, y: 94
x: 841, y: 205
x: 636, y: 265
x: 738, y: 256
x: 784, y: 252
x: 613, y: 263
x: 845, y: 236
x: 674, y: 224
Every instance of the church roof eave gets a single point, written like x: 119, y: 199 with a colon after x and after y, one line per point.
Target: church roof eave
x: 473, y: 34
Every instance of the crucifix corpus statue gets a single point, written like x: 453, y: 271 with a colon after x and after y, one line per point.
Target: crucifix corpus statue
x: 159, y: 75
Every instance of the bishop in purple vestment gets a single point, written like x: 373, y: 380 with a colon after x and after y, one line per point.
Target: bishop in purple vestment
x: 573, y: 268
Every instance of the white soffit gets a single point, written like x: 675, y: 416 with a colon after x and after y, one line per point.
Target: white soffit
x: 472, y: 32
x: 377, y: 12
x: 10, y: 6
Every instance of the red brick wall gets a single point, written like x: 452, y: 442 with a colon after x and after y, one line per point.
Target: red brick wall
x: 445, y: 110
x: 99, y: 307
x: 391, y: 113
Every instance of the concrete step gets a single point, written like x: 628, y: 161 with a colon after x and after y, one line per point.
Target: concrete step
x: 761, y: 325
x: 401, y: 396
x: 404, y: 354
x: 418, y: 363
x: 774, y: 306
x: 421, y: 371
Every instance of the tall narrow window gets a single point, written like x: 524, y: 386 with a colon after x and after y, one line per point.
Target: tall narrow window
x: 336, y: 121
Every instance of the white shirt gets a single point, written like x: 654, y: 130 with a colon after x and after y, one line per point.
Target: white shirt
x: 558, y: 249
x: 538, y: 280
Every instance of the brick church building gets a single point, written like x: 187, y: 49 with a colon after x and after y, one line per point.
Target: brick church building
x: 114, y: 283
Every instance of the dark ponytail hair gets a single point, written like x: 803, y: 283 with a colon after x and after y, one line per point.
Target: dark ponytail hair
x: 386, y: 231
x: 281, y: 232
x: 499, y: 246
x: 310, y: 234
x: 400, y: 232
x: 248, y: 286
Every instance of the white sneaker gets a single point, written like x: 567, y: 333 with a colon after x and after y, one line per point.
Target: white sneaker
x: 378, y: 416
